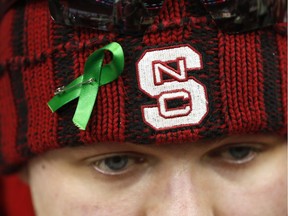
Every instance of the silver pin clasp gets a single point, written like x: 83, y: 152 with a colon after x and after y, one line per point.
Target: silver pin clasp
x: 62, y: 89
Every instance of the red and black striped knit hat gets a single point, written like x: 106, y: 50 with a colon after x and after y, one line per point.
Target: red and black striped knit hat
x: 184, y: 80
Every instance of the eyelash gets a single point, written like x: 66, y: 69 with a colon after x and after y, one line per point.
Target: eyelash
x: 222, y: 154
x: 131, y: 160
x: 134, y: 161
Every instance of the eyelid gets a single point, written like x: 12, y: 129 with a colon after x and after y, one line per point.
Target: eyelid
x: 217, y: 153
x: 108, y: 155
x: 134, y: 156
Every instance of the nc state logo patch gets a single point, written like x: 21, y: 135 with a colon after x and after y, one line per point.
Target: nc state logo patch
x: 186, y: 94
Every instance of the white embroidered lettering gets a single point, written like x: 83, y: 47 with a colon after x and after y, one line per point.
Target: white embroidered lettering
x: 151, y: 67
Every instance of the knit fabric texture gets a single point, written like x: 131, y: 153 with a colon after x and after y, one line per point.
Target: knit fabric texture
x: 243, y: 78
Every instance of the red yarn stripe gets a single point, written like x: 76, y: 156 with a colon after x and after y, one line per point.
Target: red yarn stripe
x: 258, y: 89
x: 99, y: 116
x: 40, y: 136
x: 104, y: 113
x: 6, y: 26
x: 222, y: 75
x: 110, y: 111
x: 247, y: 114
x: 115, y: 111
x: 240, y: 83
x: 251, y: 62
x: 253, y: 83
x: 282, y: 47
x: 9, y: 116
x: 122, y: 115
x: 228, y: 62
x: 7, y: 105
x: 8, y: 110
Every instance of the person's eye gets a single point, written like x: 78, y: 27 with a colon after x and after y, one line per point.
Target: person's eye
x: 117, y: 164
x: 236, y: 153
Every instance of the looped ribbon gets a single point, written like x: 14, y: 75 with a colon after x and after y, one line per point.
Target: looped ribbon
x: 86, y: 86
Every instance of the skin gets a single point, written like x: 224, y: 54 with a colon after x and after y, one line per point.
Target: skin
x: 203, y: 179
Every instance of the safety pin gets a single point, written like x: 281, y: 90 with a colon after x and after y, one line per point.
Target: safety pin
x: 62, y: 89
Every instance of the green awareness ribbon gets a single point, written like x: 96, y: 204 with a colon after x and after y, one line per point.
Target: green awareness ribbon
x: 86, y: 86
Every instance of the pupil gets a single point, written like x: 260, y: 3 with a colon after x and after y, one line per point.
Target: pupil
x: 116, y: 162
x: 239, y: 152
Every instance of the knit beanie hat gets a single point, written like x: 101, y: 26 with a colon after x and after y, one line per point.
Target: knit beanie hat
x: 182, y: 81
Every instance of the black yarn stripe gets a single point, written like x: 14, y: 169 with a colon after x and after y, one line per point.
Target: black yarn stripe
x: 1, y: 155
x: 204, y: 38
x: 1, y: 152
x: 212, y: 124
x: 67, y: 132
x: 17, y: 81
x: 135, y: 129
x: 1, y: 70
x: 3, y: 210
x: 272, y: 80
